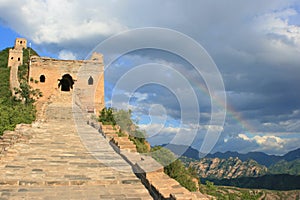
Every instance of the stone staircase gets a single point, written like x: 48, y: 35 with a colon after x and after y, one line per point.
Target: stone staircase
x: 49, y: 161
x: 61, y: 156
x: 122, y: 142
x: 60, y: 107
x: 150, y: 172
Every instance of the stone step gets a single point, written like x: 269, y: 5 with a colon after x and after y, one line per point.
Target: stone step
x: 109, y: 131
x: 107, y: 127
x: 131, y: 148
x: 55, y: 157
x: 74, y: 192
x: 69, y: 180
x: 58, y: 158
x: 59, y: 113
x: 167, y: 186
x: 126, y: 141
x: 110, y: 136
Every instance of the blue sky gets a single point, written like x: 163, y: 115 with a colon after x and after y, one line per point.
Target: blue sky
x: 8, y: 37
x: 255, y: 46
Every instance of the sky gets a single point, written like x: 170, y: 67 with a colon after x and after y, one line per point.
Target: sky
x: 254, y: 46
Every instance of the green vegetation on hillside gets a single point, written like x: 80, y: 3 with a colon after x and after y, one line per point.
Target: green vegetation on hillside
x: 25, y: 91
x: 175, y: 168
x: 5, y: 93
x: 110, y: 116
x: 234, y: 193
x: 283, y: 175
x: 138, y: 139
x: 4, y: 57
x: 12, y: 110
x: 284, y: 167
x: 271, y: 182
x: 124, y: 120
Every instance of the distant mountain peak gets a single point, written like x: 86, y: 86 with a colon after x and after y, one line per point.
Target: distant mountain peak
x: 260, y: 157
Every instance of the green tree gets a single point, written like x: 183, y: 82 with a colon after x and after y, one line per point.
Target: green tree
x: 27, y: 93
x: 124, y: 119
x: 106, y: 117
x: 15, y: 113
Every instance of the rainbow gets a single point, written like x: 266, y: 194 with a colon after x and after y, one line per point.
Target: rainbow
x: 230, y: 111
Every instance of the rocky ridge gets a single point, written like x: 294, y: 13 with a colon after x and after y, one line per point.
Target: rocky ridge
x: 227, y: 168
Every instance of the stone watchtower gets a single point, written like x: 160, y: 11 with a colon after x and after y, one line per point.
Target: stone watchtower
x: 16, y: 54
x: 54, y: 77
x: 15, y: 59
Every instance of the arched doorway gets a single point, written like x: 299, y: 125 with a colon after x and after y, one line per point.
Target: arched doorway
x: 66, y: 83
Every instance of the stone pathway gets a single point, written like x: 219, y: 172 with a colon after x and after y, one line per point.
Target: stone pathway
x: 54, y: 164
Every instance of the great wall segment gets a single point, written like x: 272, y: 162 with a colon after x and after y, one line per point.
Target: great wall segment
x: 48, y: 160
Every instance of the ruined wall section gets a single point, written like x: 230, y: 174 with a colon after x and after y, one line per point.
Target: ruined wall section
x: 15, y: 59
x: 45, y: 73
x: 90, y: 84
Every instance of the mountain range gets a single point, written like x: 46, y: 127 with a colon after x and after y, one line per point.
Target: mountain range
x: 260, y: 157
x: 217, y: 168
x: 250, y: 170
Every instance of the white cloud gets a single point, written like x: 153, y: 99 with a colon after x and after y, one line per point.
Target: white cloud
x: 214, y: 128
x: 59, y: 21
x: 278, y: 23
x: 162, y: 134
x: 244, y: 137
x: 280, y: 39
x: 158, y: 129
x: 139, y: 96
x: 66, y: 55
x: 268, y: 143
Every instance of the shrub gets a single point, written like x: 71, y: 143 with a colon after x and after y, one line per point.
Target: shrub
x: 174, y: 167
x: 106, y: 117
x: 110, y: 116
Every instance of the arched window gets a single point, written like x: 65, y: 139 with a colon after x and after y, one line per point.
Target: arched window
x: 19, y: 59
x: 91, y: 81
x: 42, y: 79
